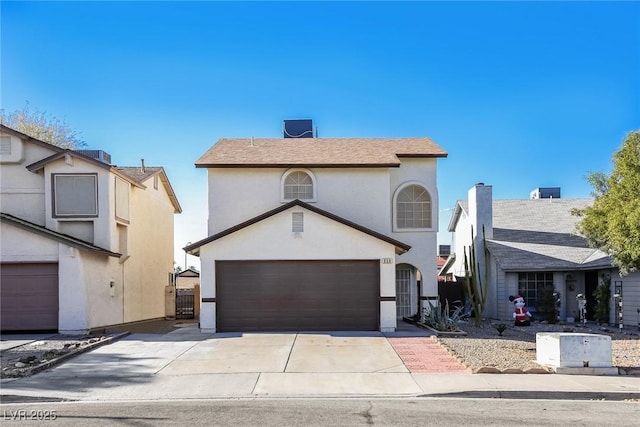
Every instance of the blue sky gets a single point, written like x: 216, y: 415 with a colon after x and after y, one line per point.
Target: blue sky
x: 521, y: 95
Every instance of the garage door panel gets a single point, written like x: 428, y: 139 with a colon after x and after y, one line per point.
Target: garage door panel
x: 297, y: 295
x: 29, y: 297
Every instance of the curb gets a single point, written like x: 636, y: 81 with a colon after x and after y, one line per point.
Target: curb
x: 50, y: 363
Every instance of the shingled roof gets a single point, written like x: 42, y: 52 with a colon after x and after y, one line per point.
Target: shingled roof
x: 540, y: 234
x: 316, y: 152
x: 141, y: 174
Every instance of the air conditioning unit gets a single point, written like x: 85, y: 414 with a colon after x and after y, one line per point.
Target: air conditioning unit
x: 100, y: 155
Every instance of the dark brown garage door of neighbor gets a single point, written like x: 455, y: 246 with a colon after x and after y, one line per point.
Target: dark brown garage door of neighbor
x: 297, y: 295
x: 29, y: 297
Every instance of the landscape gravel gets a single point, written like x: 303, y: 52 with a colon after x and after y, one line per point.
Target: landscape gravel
x: 29, y: 358
x: 483, y: 350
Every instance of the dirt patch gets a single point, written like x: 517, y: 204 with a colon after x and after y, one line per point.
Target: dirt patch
x: 27, y: 359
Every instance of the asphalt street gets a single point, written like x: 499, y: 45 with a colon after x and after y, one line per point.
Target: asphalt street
x: 327, y: 412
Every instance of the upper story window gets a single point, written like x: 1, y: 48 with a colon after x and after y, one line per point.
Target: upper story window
x: 122, y: 199
x: 75, y: 195
x: 413, y: 207
x: 298, y: 184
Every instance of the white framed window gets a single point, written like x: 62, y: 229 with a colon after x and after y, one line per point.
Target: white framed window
x: 531, y: 285
x: 122, y: 199
x: 413, y: 208
x: 75, y: 195
x: 298, y: 184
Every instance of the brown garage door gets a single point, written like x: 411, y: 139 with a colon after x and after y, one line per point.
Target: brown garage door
x: 29, y: 295
x: 297, y: 295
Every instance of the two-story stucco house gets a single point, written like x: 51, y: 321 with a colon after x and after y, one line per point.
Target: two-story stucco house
x: 318, y: 233
x: 85, y: 244
x: 532, y: 244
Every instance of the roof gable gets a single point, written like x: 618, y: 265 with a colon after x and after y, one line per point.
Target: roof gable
x: 316, y: 152
x: 139, y: 175
x: 194, y: 247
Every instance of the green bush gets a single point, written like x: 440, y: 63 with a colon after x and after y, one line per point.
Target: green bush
x: 546, y: 304
x: 602, y: 295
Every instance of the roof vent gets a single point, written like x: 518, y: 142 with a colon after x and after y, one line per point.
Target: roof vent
x: 545, y: 193
x: 444, y: 250
x: 100, y: 155
x: 302, y: 128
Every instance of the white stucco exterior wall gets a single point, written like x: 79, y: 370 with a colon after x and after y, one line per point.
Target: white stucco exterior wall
x: 322, y: 239
x: 360, y: 194
x: 424, y: 243
x: 22, y: 192
x: 86, y: 298
x: 23, y: 246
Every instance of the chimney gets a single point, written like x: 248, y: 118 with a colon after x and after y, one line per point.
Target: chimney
x: 481, y: 214
x: 481, y: 211
x: 142, y: 165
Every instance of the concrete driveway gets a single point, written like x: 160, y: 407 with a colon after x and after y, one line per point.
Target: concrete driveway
x: 187, y: 363
x: 288, y: 352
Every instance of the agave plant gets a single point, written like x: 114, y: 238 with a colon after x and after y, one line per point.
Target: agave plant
x: 437, y: 316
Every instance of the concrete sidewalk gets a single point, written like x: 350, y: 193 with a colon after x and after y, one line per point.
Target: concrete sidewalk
x: 186, y: 364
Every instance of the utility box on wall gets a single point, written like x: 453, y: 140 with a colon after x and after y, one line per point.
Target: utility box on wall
x: 573, y: 350
x: 169, y: 302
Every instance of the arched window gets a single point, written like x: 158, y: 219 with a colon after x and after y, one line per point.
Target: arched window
x: 413, y: 207
x: 298, y: 185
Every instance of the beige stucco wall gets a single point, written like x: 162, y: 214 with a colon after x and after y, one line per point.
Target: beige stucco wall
x: 322, y: 238
x: 150, y: 247
x: 187, y: 282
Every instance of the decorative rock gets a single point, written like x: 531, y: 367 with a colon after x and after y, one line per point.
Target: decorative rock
x: 487, y: 370
x: 19, y: 365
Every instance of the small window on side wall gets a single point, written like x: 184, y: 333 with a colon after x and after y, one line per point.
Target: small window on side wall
x: 122, y: 199
x: 75, y: 195
x: 298, y: 184
x: 413, y: 208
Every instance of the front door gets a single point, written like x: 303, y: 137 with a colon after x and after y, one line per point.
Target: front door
x: 590, y: 286
x: 403, y: 293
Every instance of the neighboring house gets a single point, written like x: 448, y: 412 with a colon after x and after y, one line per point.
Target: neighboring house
x: 534, y: 243
x: 318, y: 233
x: 85, y: 244
x: 444, y: 252
x: 187, y: 279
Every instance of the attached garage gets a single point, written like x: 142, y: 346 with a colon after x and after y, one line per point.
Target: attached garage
x: 29, y: 297
x: 327, y: 295
x: 297, y: 268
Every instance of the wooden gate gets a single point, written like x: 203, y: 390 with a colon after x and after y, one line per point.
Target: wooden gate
x: 185, y: 308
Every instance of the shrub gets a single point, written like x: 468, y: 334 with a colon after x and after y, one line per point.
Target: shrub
x: 602, y: 295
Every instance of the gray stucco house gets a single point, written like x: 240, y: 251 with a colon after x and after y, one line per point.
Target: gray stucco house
x: 533, y: 243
